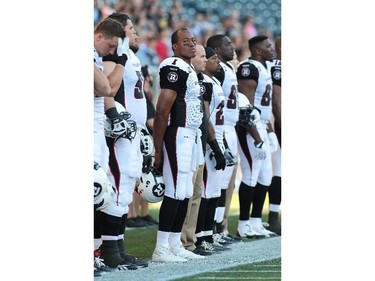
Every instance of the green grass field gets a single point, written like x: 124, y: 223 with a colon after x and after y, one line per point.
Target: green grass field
x: 144, y: 250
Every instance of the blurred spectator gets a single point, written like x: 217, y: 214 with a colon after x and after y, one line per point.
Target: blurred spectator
x: 146, y: 53
x: 249, y: 28
x: 162, y: 46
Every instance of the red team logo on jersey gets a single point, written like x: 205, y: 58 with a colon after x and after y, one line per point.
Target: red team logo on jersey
x: 172, y: 77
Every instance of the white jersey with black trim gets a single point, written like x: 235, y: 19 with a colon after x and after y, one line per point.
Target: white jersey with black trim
x: 274, y: 67
x: 216, y: 113
x: 230, y: 89
x: 98, y: 101
x: 255, y: 70
x: 179, y: 76
x: 134, y: 97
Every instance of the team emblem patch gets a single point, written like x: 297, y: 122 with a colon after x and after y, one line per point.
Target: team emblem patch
x: 172, y: 77
x: 203, y: 89
x: 276, y: 75
x: 245, y: 71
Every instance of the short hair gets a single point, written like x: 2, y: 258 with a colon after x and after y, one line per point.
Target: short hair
x: 110, y: 28
x: 215, y: 41
x: 174, y: 37
x: 120, y: 17
x: 254, y: 41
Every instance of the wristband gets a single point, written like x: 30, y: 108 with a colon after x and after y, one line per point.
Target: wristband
x: 112, y: 113
x: 259, y: 145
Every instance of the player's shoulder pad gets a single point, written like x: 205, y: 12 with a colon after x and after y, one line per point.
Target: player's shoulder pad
x: 246, y: 69
x: 176, y: 64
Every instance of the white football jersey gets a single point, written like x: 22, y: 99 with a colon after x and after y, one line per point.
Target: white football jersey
x: 98, y: 101
x: 230, y: 89
x: 216, y: 113
x: 253, y: 69
x: 177, y: 75
x: 134, y: 99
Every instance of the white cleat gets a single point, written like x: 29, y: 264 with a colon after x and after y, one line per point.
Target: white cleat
x: 259, y: 228
x: 163, y: 254
x: 247, y: 231
x: 180, y: 251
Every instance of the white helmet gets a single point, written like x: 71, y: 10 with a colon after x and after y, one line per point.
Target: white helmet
x: 132, y: 126
x: 147, y: 145
x: 151, y: 187
x: 103, y: 189
x: 243, y: 101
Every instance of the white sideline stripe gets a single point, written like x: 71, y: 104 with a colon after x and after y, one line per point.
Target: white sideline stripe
x: 236, y: 278
x: 240, y: 254
x: 240, y: 271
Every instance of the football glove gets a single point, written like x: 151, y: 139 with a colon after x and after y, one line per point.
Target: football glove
x: 260, y: 153
x: 254, y: 115
x: 272, y: 139
x: 122, y: 49
x: 147, y: 164
x: 229, y: 156
x: 218, y: 155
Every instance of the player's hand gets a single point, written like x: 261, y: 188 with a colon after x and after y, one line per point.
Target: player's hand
x: 122, y: 46
x: 272, y: 139
x: 218, y: 154
x: 158, y: 162
x: 230, y: 158
x: 119, y: 126
x: 122, y: 49
x: 147, y: 163
x: 254, y: 115
x: 260, y: 152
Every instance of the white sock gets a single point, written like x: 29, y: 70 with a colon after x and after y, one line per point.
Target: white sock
x: 242, y: 223
x: 274, y: 208
x: 162, y: 238
x: 97, y: 243
x: 174, y: 238
x: 219, y: 214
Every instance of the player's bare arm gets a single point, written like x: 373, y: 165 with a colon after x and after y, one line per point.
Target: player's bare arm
x: 276, y: 103
x: 163, y: 108
x: 114, y: 73
x: 211, y: 130
x: 247, y: 87
x: 101, y: 83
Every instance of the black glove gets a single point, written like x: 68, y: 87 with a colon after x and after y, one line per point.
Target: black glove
x: 147, y: 164
x: 218, y: 154
x: 122, y: 59
x: 118, y: 124
x: 116, y: 59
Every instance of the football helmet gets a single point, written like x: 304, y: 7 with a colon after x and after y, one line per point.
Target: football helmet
x: 248, y: 114
x: 151, y: 187
x: 147, y: 145
x: 103, y: 189
x: 131, y: 125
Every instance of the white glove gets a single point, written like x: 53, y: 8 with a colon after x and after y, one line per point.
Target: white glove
x: 230, y: 158
x: 272, y: 139
x: 260, y: 152
x: 254, y: 116
x: 122, y: 46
